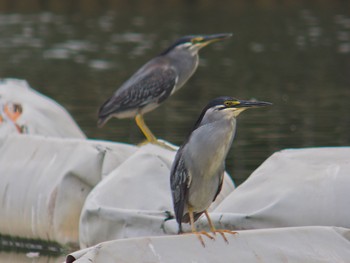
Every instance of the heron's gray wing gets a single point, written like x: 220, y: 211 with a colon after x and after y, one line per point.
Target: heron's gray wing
x: 150, y: 85
x: 222, y: 174
x: 179, y: 182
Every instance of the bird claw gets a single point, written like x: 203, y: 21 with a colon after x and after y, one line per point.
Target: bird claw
x: 222, y: 233
x: 205, y: 234
x: 199, y: 236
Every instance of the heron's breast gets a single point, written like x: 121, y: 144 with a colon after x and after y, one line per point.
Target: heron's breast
x: 208, y: 148
x: 205, y: 154
x: 202, y: 193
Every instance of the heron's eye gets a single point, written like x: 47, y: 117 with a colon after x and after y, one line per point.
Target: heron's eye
x: 196, y: 40
x: 227, y: 103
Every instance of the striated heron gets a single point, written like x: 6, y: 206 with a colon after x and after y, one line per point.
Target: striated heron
x: 198, y: 169
x: 155, y: 81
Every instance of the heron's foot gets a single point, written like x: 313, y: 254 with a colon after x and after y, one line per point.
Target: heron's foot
x: 222, y: 233
x: 160, y: 143
x: 143, y: 143
x: 199, y: 236
x: 150, y: 138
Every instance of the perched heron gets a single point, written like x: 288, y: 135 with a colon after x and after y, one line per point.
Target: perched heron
x: 156, y: 81
x: 198, y: 169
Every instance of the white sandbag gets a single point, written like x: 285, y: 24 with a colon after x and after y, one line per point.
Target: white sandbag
x: 301, y: 244
x: 300, y: 187
x: 45, y: 181
x: 40, y: 114
x: 134, y: 200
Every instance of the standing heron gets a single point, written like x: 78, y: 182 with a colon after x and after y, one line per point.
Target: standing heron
x: 198, y: 169
x: 155, y: 81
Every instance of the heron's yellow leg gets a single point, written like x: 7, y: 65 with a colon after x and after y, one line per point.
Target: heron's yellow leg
x: 145, y: 130
x: 220, y: 231
x: 150, y: 138
x: 194, y: 231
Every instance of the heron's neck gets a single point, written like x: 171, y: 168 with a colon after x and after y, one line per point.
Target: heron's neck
x: 212, y: 142
x: 185, y: 64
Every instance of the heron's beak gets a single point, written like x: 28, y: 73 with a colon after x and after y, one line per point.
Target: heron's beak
x: 251, y: 104
x: 242, y: 105
x: 208, y: 39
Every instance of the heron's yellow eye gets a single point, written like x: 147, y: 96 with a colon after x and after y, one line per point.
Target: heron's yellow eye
x: 196, y: 40
x: 231, y: 103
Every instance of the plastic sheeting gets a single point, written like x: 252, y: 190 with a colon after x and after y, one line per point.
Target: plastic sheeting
x: 134, y: 200
x: 301, y: 244
x: 295, y: 187
x: 34, y: 114
x: 296, y: 205
x: 45, y: 181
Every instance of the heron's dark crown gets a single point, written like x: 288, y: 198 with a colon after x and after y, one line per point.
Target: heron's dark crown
x: 197, y: 40
x: 219, y: 101
x: 180, y: 41
x: 215, y: 102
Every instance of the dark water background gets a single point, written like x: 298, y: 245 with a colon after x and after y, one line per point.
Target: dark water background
x: 295, y: 54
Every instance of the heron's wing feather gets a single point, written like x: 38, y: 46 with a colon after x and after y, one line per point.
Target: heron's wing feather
x: 180, y: 181
x: 222, y: 173
x: 151, y: 84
